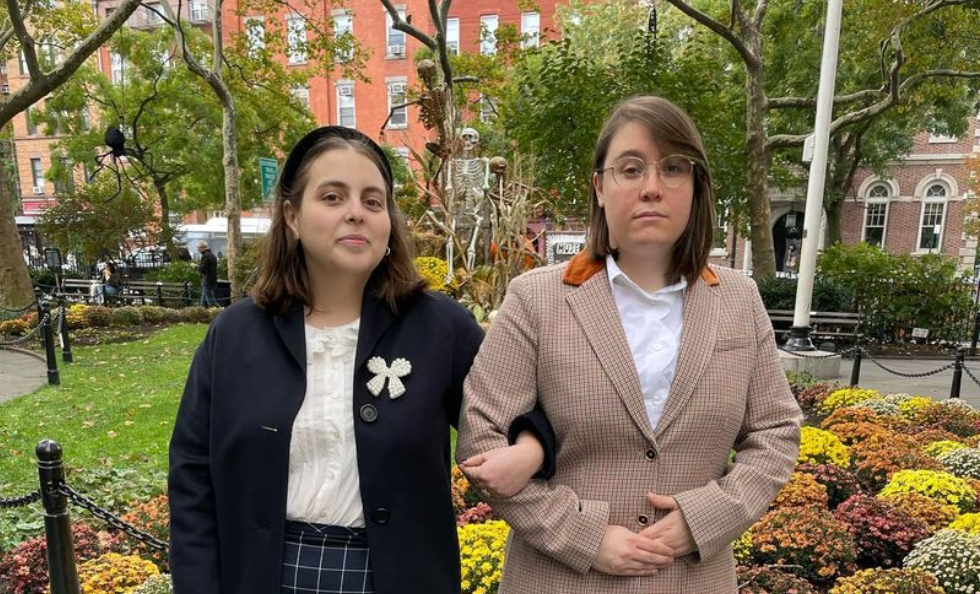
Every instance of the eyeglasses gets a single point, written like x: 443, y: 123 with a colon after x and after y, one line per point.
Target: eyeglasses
x: 630, y: 173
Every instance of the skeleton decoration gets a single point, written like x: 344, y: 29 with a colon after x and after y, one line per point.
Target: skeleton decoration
x: 467, y: 191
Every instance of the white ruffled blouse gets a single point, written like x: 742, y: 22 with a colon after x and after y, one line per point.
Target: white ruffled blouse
x: 324, y: 485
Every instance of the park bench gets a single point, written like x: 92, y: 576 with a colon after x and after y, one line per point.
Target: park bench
x: 77, y: 290
x: 167, y: 294
x: 831, y: 325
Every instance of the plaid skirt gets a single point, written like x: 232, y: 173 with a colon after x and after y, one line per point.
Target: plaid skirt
x: 320, y: 559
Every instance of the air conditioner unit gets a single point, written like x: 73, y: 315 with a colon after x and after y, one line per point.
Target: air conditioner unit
x: 345, y: 91
x: 453, y: 47
x: 38, y: 190
x: 5, y: 89
x: 396, y: 50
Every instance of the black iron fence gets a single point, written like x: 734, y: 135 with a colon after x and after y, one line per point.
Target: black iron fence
x: 49, y: 330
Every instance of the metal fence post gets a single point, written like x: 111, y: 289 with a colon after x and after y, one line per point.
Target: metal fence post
x: 187, y: 293
x: 57, y: 523
x: 856, y: 365
x: 66, y: 354
x: 38, y: 298
x: 954, y: 390
x: 54, y: 378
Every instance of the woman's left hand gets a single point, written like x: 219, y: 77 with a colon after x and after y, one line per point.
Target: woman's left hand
x: 672, y: 529
x: 503, y: 472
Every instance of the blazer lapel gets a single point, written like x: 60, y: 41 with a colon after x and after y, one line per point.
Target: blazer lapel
x: 701, y: 311
x: 376, y: 317
x: 595, y: 310
x: 290, y: 327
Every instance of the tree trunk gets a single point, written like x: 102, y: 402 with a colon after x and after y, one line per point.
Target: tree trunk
x: 166, y: 230
x: 757, y: 186
x: 16, y: 290
x: 834, y: 208
x: 233, y: 193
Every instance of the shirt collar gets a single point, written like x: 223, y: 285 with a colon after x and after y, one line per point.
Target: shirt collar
x: 618, y: 277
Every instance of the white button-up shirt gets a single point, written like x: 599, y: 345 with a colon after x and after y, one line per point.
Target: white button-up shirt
x: 653, y: 324
x: 324, y: 484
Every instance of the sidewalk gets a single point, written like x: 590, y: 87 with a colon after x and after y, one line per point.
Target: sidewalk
x: 20, y: 374
x: 936, y: 386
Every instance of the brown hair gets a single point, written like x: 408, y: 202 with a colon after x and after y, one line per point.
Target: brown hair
x: 283, y: 277
x: 674, y: 133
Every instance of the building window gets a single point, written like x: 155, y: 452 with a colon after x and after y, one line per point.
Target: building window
x: 117, y: 67
x: 875, y: 215
x: 346, y: 109
x: 343, y: 32
x: 200, y: 11
x: 152, y: 16
x: 37, y: 176
x: 302, y: 94
x: 942, y: 139
x: 31, y: 124
x: 255, y: 33
x: 396, y: 38
x: 933, y: 213
x: 530, y: 29
x: 296, y: 38
x: 23, y: 64
x: 452, y: 36
x: 488, y: 34
x: 65, y: 183
x: 719, y: 240
x: 396, y: 97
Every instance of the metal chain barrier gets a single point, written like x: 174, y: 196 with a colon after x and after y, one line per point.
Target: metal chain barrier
x: 19, y: 310
x: 112, y: 520
x: 26, y: 338
x: 21, y: 501
x: 803, y: 354
x: 908, y: 375
x: 972, y: 377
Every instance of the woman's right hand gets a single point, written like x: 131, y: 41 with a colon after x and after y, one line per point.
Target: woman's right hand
x: 625, y: 553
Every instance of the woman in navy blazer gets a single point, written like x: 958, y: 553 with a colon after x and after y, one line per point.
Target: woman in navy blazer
x: 337, y: 253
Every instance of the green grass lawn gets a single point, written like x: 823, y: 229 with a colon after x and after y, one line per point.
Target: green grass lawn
x: 115, y: 408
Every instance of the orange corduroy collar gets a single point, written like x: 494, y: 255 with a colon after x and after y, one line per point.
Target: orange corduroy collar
x: 583, y: 267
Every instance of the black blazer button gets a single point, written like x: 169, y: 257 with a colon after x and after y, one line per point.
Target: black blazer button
x: 369, y: 413
x: 643, y: 520
x: 381, y: 516
x: 651, y: 455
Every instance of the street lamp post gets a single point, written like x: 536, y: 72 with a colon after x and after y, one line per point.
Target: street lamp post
x: 800, y: 332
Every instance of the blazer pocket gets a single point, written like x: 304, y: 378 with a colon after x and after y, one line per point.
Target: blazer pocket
x: 738, y: 342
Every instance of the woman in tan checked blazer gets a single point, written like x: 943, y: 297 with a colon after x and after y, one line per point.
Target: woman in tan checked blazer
x: 652, y: 367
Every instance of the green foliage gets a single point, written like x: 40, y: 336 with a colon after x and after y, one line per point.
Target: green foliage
x: 780, y: 293
x: 897, y: 292
x: 175, y: 272
x: 127, y: 316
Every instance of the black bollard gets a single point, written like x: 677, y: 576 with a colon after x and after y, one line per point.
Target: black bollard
x: 54, y: 379
x: 954, y: 390
x: 856, y: 366
x: 66, y: 355
x: 57, y: 522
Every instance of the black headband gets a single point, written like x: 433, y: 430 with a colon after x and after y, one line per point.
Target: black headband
x: 295, y: 159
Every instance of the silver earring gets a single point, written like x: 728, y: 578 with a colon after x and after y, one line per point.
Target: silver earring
x: 388, y: 251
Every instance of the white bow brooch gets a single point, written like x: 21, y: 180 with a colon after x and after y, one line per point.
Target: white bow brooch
x: 399, y: 369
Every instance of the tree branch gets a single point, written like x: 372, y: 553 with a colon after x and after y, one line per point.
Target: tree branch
x: 805, y: 102
x: 760, y: 13
x: 727, y: 34
x: 398, y: 23
x: 17, y: 23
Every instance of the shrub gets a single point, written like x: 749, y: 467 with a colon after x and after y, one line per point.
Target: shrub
x: 879, y: 406
x: 152, y: 516
x: 967, y: 523
x: 156, y: 584
x: 195, y: 315
x: 855, y: 433
x: 910, y: 406
x: 127, y: 316
x: 940, y: 486
x: 23, y: 569
x: 936, y: 516
x: 883, y: 533
x: 840, y: 483
x: 956, y: 420
x: 15, y: 327
x: 153, y: 314
x: 176, y: 272
x: 742, y: 549
x: 810, y: 397
x: 98, y: 316
x: 434, y: 271
x: 481, y: 550
x: 821, y: 447
x: 802, y: 490
x: 477, y: 514
x: 464, y: 495
x: 936, y: 449
x: 953, y: 557
x: 879, y: 457
x: 927, y: 435
x: 115, y: 573
x: 964, y: 463
x: 853, y: 414
x: 808, y: 537
x: 845, y: 397
x: 769, y: 580
x: 75, y: 315
x: 891, y: 581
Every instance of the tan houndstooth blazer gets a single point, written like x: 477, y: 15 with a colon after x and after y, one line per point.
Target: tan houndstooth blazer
x: 558, y: 340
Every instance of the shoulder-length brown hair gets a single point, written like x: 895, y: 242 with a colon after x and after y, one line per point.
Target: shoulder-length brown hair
x: 674, y: 133
x: 283, y: 275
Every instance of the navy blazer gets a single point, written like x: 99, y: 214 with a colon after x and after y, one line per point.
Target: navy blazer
x: 229, y: 454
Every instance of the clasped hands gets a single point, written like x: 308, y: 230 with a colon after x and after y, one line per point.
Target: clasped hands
x: 627, y: 553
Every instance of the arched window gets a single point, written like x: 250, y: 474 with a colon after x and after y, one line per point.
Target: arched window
x: 933, y: 218
x: 876, y: 215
